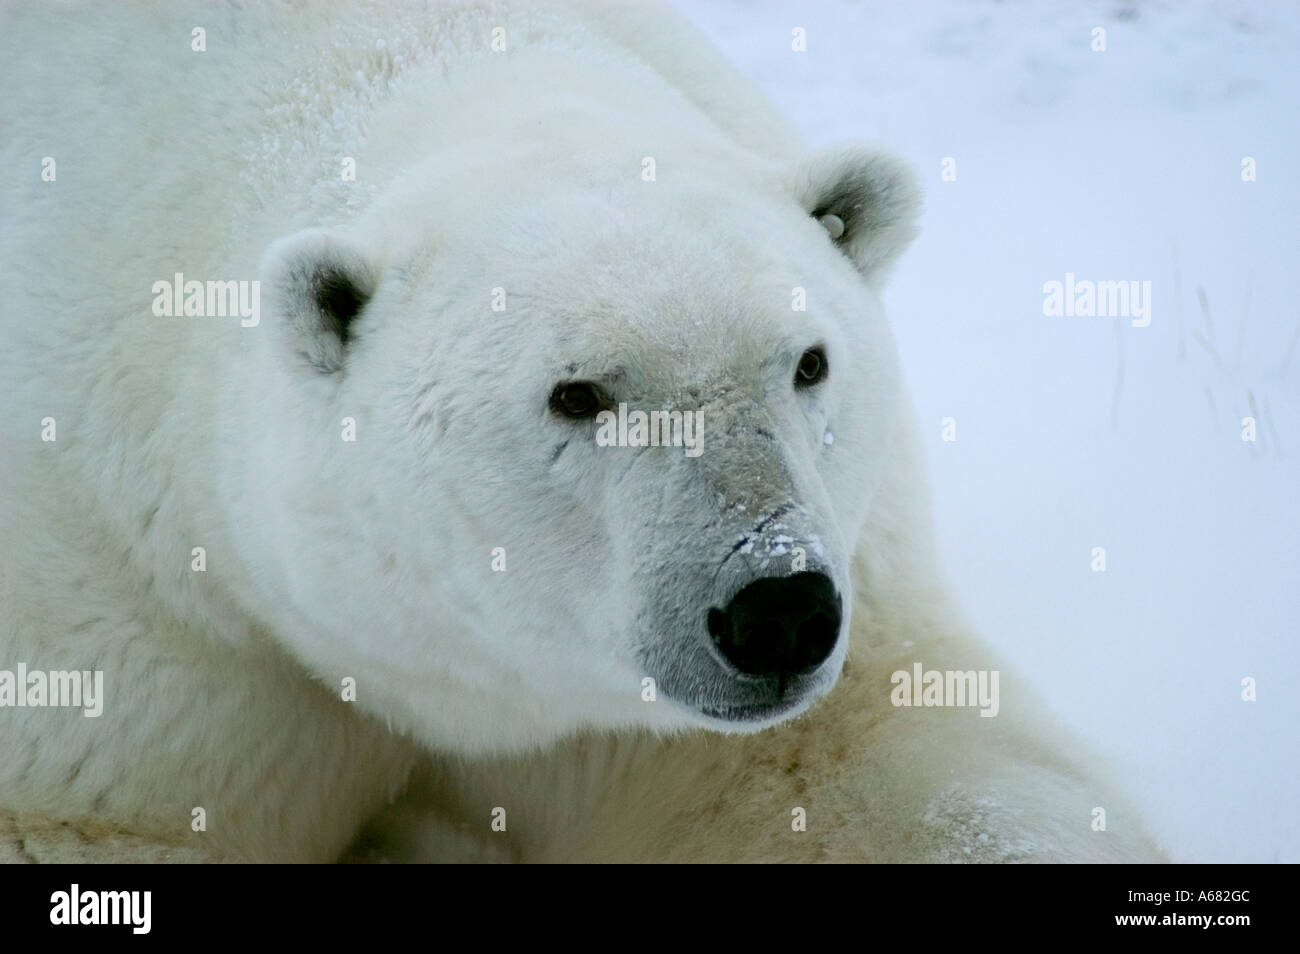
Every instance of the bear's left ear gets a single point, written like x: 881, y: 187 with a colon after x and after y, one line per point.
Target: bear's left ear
x: 317, y: 282
x: 868, y: 202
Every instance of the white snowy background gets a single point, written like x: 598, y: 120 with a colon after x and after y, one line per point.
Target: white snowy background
x: 1081, y: 432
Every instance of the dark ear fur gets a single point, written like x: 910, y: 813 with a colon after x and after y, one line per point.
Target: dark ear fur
x: 317, y: 283
x: 867, y: 200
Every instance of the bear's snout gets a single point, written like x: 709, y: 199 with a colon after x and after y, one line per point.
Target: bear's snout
x: 779, y: 626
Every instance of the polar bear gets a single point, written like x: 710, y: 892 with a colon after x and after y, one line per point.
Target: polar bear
x: 314, y: 317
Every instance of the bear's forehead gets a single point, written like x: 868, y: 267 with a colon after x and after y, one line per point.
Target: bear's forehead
x: 687, y: 314
x: 654, y: 279
x: 652, y: 267
x: 630, y: 227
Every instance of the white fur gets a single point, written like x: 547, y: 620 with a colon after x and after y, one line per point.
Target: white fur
x: 371, y: 560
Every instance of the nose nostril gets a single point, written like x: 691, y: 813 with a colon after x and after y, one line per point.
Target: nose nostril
x: 717, y: 623
x: 816, y: 639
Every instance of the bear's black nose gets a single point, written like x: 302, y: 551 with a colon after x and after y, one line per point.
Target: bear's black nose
x: 779, y: 625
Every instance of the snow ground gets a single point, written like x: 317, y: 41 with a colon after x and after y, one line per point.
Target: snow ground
x: 1081, y: 432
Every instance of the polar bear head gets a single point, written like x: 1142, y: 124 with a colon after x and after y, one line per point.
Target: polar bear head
x: 611, y: 446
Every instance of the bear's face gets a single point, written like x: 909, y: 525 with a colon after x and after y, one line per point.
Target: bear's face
x: 613, y: 452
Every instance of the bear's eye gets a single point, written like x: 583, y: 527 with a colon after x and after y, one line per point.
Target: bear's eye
x: 578, y: 399
x: 812, y: 368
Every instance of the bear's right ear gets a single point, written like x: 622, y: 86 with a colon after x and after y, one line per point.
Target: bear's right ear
x: 317, y: 283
